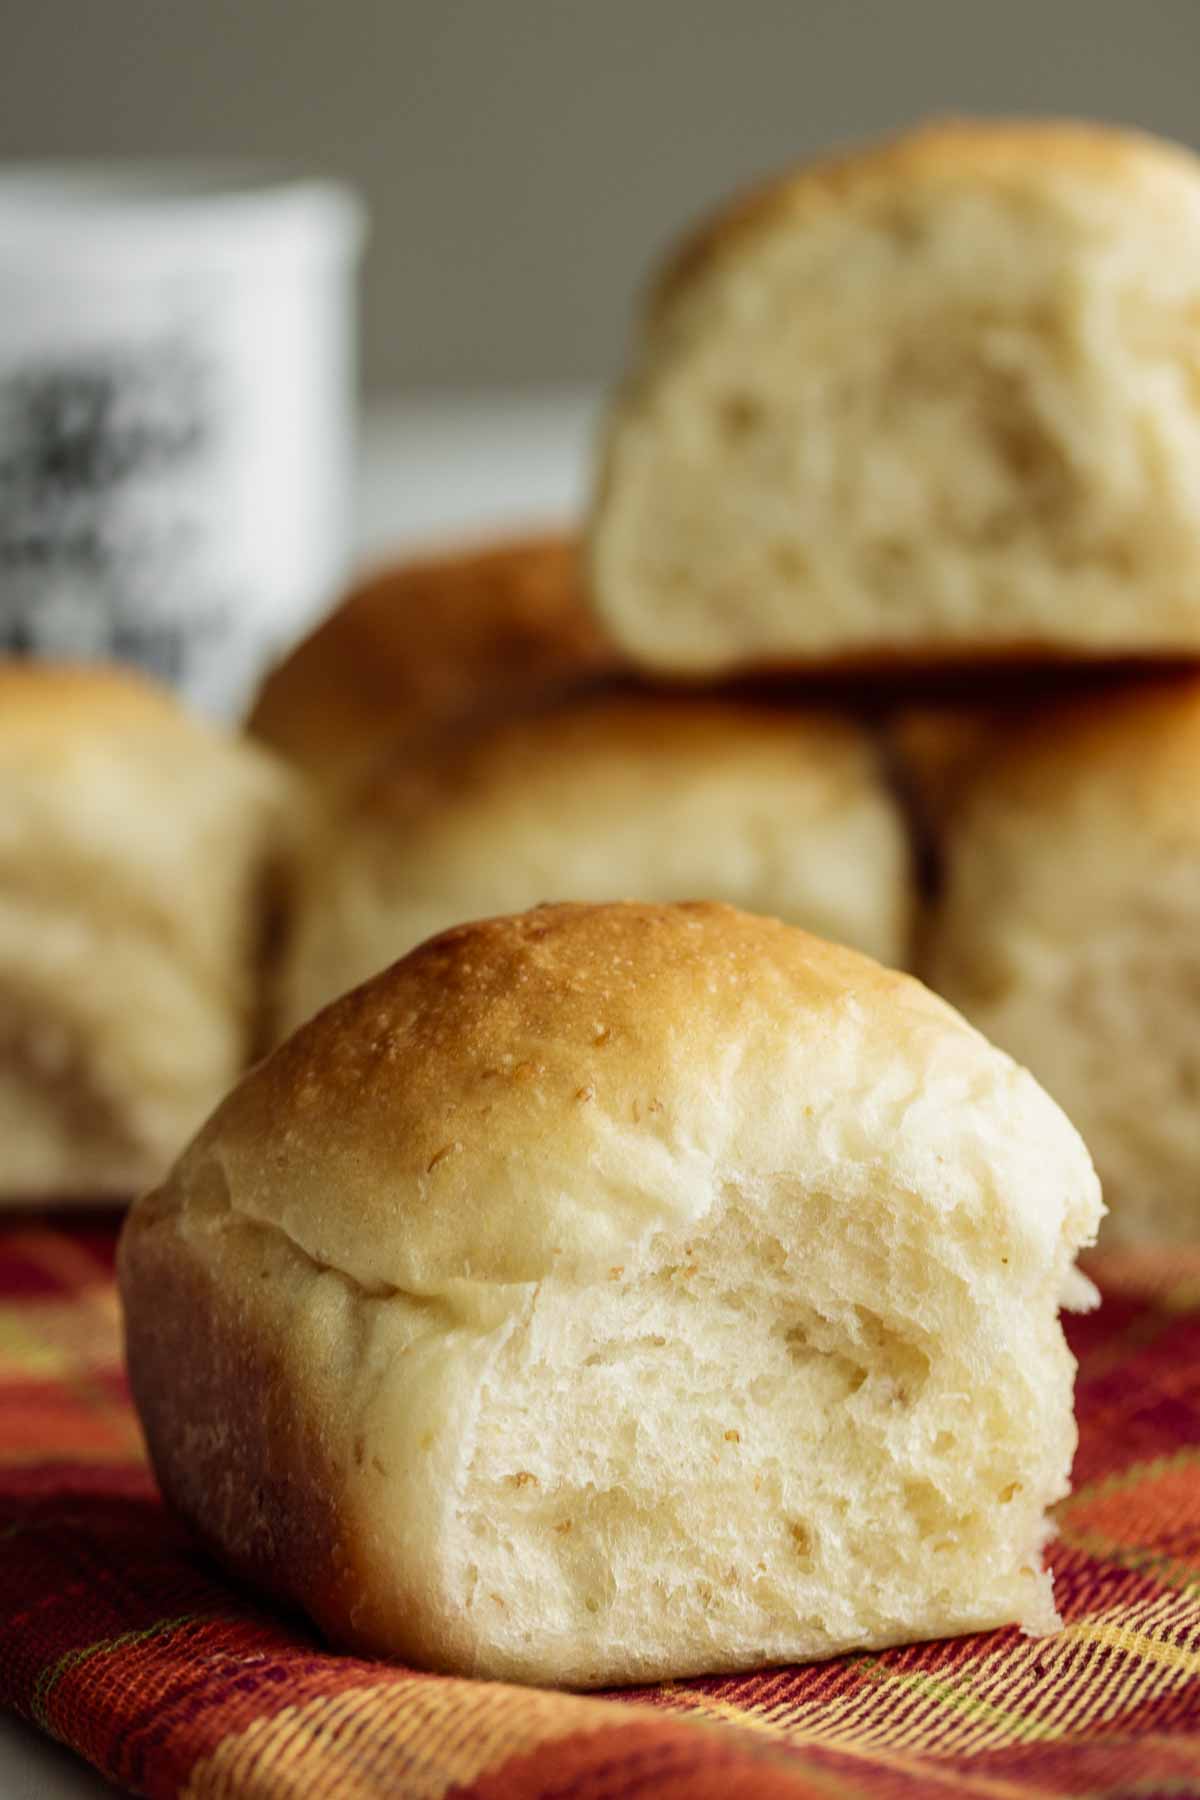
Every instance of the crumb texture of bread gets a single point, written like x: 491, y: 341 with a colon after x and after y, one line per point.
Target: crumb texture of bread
x: 616, y: 1293
x: 1067, y: 931
x: 934, y: 400
x: 426, y: 641
x: 633, y: 797
x: 140, y: 855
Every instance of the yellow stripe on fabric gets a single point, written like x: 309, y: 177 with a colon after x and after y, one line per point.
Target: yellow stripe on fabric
x: 859, y: 1718
x: 50, y: 1676
x: 23, y: 1351
x: 1122, y: 1685
x: 422, y: 1736
x: 961, y: 1716
x: 86, y: 1331
x: 1126, y: 1683
x: 781, y: 1721
x: 1071, y: 1694
x: 964, y: 1713
x: 1167, y: 1656
x: 851, y: 1746
x: 1124, y: 1479
x: 1065, y: 1699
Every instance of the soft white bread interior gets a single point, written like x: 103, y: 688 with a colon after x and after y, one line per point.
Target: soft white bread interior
x: 1069, y: 931
x: 426, y: 641
x: 935, y: 400
x: 624, y: 797
x: 615, y: 1293
x: 141, y: 854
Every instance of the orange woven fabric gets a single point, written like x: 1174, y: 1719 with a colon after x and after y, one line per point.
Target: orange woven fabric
x: 120, y: 1638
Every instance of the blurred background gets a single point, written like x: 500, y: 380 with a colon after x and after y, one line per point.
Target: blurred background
x: 523, y: 159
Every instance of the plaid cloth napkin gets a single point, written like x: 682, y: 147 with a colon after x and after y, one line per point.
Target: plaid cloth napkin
x: 119, y: 1637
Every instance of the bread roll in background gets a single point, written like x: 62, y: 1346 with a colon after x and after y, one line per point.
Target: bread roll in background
x: 426, y: 641
x: 629, y: 795
x: 1069, y: 931
x: 141, y: 855
x: 616, y: 1293
x: 931, y: 401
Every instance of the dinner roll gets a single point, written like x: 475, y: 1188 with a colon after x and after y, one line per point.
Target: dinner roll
x: 1069, y: 931
x: 629, y: 795
x: 932, y: 401
x: 615, y: 1293
x: 426, y: 641
x: 140, y: 854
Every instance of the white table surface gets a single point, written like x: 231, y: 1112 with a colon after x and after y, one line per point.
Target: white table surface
x: 431, y: 467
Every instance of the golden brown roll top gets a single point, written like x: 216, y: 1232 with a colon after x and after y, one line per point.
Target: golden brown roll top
x: 426, y: 641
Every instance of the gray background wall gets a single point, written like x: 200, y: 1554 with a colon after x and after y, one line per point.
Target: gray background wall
x: 522, y: 158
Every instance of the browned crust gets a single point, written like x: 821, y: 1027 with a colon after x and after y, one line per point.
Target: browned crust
x: 425, y: 641
x: 1000, y: 152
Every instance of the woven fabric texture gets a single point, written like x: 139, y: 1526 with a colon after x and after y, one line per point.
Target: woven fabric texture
x: 121, y: 1639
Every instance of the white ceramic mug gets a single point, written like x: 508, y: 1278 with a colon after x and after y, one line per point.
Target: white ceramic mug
x: 176, y: 408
